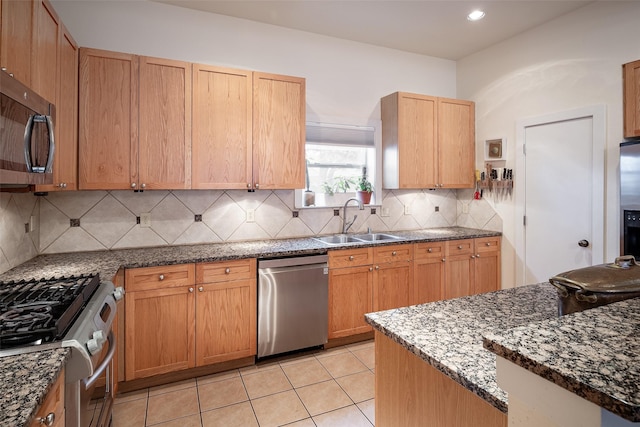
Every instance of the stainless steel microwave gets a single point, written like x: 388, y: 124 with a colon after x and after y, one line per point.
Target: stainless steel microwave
x: 26, y: 135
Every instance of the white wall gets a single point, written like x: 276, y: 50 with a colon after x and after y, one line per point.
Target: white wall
x: 573, y: 61
x: 344, y: 79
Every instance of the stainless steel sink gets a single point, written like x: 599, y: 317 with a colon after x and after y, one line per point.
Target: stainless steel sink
x: 375, y: 237
x: 337, y: 239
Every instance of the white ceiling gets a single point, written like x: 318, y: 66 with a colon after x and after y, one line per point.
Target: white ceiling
x: 433, y: 28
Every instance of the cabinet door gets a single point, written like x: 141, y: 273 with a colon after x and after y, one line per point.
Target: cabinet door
x: 226, y: 321
x: 487, y: 264
x: 65, y: 161
x: 222, y: 134
x: 44, y: 58
x: 631, y: 77
x: 350, y: 298
x: 428, y: 271
x: 278, y: 131
x: 108, y: 120
x: 16, y: 39
x: 159, y: 331
x: 53, y: 404
x: 459, y: 273
x: 418, y: 166
x: 456, y: 143
x: 392, y: 285
x: 164, y: 157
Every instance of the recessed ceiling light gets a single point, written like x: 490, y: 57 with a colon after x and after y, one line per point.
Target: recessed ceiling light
x: 476, y: 15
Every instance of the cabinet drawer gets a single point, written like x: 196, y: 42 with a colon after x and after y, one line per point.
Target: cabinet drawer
x: 224, y: 271
x: 488, y: 244
x: 459, y: 247
x: 166, y: 276
x: 429, y: 250
x: 53, y: 404
x: 350, y: 258
x: 393, y: 253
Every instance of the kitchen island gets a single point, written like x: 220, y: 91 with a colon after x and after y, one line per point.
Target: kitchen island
x: 432, y: 367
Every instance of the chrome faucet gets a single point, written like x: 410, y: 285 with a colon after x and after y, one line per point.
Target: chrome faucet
x: 346, y: 225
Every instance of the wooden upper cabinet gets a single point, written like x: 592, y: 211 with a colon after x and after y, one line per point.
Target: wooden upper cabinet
x: 65, y: 160
x: 164, y: 151
x: 456, y: 143
x: 409, y: 141
x: 222, y: 128
x: 16, y: 39
x: 428, y: 142
x: 44, y: 58
x: 108, y: 120
x: 278, y: 131
x: 631, y: 78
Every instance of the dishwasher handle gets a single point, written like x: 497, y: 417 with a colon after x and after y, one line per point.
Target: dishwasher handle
x: 293, y: 261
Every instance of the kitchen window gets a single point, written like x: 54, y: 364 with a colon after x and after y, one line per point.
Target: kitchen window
x: 336, y: 157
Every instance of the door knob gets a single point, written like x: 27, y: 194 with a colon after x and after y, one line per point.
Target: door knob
x: 583, y: 243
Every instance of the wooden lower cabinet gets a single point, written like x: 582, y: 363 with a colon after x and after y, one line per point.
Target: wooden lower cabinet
x: 456, y: 268
x: 412, y: 393
x: 428, y: 272
x: 392, y: 277
x: 183, y: 316
x: 52, y: 407
x: 226, y: 298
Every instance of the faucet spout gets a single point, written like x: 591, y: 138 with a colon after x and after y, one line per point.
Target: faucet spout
x: 347, y: 224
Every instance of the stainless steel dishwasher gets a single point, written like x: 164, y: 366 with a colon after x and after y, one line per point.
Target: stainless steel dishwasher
x: 293, y: 303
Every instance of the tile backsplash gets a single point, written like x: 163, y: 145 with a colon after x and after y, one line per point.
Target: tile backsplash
x: 99, y: 220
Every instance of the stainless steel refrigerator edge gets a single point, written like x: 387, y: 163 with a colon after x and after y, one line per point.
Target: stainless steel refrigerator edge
x: 293, y: 302
x: 630, y: 198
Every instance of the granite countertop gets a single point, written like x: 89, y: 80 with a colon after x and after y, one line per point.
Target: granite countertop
x: 594, y: 354
x: 448, y: 334
x: 107, y: 263
x: 25, y: 380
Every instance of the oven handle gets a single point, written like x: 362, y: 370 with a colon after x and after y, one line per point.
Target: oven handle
x: 103, y: 365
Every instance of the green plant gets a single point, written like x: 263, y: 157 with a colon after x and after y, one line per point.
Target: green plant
x: 339, y: 184
x: 364, y: 184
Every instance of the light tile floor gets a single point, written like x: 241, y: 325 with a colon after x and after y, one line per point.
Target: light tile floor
x: 332, y: 387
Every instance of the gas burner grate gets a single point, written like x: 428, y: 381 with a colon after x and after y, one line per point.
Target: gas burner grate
x: 42, y: 310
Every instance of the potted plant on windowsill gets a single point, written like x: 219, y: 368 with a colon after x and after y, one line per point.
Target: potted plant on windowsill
x: 364, y: 188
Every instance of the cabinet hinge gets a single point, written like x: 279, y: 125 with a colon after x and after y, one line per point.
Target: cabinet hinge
x: 524, y: 149
x: 524, y: 220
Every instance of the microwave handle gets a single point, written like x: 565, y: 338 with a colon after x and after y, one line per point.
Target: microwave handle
x: 28, y: 132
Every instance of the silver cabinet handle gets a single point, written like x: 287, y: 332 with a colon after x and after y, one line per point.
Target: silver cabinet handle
x: 394, y: 253
x: 143, y: 185
x: 48, y: 420
x: 377, y: 267
x: 257, y: 186
x: 430, y: 250
x: 133, y: 185
x: 583, y: 243
x: 248, y: 185
x: 459, y: 246
x: 444, y: 260
x: 190, y: 290
x: 370, y: 268
x: 227, y: 270
x: 161, y: 277
x: 473, y: 256
x: 477, y: 255
x: 351, y: 258
x: 201, y: 289
x: 488, y: 244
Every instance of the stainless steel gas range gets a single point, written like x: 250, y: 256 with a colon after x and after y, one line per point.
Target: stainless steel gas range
x: 74, y: 312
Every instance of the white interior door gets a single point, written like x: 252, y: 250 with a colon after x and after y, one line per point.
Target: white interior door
x: 563, y: 195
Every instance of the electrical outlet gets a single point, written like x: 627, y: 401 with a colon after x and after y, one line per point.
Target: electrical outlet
x: 437, y: 208
x: 385, y: 212
x: 407, y: 209
x: 465, y: 208
x: 251, y: 215
x: 145, y: 220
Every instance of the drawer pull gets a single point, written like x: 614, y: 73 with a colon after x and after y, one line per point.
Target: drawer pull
x: 351, y: 258
x: 459, y: 246
x: 227, y: 270
x: 161, y: 277
x: 477, y: 255
x: 394, y: 253
x: 48, y: 420
x: 377, y: 267
x: 201, y: 289
x: 430, y: 250
x: 443, y: 259
x: 190, y: 290
x: 370, y: 268
x: 488, y: 244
